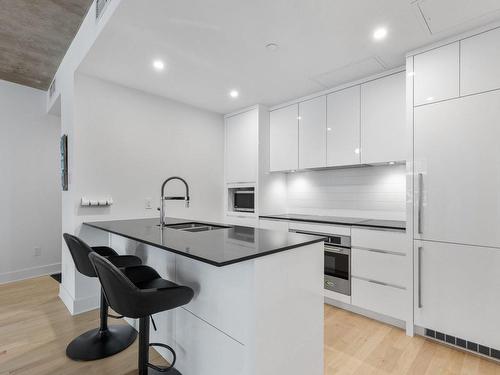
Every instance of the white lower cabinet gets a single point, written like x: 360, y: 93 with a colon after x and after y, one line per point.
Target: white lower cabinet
x: 387, y: 268
x: 382, y: 299
x: 380, y: 272
x: 457, y: 289
x: 281, y: 226
x: 245, y: 221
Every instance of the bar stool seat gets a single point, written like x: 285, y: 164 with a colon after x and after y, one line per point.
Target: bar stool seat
x: 139, y: 292
x: 106, y: 340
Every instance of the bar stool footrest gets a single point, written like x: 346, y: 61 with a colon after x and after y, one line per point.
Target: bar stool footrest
x: 169, y: 370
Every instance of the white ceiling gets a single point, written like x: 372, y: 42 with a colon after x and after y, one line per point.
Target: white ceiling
x: 211, y: 47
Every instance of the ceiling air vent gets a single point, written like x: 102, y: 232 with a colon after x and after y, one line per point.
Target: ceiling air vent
x: 52, y: 88
x: 100, y: 7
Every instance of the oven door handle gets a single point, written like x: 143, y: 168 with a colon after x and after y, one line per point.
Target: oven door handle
x: 337, y: 250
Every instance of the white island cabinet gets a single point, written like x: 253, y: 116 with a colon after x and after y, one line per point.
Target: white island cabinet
x: 258, y: 302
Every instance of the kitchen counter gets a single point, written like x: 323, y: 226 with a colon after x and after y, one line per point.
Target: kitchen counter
x: 358, y: 222
x: 219, y: 247
x: 258, y: 294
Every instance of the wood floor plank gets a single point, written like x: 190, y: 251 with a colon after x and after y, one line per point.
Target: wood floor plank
x: 35, y: 328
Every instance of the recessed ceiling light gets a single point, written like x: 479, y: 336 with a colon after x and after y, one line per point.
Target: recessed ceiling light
x: 234, y: 94
x: 272, y: 46
x: 158, y: 65
x: 380, y: 33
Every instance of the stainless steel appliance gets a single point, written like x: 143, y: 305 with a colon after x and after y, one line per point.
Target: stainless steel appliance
x: 337, y: 261
x: 244, y: 200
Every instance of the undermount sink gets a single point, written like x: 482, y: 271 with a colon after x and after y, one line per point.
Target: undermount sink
x: 195, y: 227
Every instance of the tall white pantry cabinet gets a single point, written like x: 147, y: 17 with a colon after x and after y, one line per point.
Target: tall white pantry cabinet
x: 456, y: 188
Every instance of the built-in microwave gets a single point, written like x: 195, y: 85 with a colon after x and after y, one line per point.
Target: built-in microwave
x: 243, y: 200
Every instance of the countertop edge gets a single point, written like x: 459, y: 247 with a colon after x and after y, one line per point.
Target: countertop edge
x: 319, y: 221
x: 216, y: 264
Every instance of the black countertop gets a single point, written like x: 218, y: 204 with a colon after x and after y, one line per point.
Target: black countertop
x: 219, y: 247
x: 358, y: 222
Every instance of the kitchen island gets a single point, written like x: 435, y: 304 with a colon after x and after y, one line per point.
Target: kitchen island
x: 258, y: 305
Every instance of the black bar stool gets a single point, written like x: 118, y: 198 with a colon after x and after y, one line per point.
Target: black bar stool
x: 106, y: 340
x: 138, y: 292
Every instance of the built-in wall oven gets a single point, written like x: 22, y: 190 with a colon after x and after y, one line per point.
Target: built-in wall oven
x: 337, y: 261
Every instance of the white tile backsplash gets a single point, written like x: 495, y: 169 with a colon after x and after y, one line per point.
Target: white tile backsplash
x: 373, y: 192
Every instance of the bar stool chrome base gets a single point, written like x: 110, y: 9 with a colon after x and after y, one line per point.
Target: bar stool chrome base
x: 95, y: 344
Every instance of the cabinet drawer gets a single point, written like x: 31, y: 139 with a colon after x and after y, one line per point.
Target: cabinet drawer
x: 381, y: 299
x: 387, y: 268
x: 395, y: 242
x: 321, y: 228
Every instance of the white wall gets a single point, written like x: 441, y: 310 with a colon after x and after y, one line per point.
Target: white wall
x: 124, y: 144
x: 373, y: 192
x: 30, y: 193
x: 129, y: 142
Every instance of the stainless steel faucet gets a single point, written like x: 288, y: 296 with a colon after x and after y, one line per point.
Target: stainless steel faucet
x: 164, y: 198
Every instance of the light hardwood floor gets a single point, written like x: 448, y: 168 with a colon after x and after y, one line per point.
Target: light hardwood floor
x: 35, y: 328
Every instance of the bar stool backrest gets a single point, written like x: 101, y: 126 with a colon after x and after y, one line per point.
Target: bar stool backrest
x: 120, y: 292
x: 80, y: 253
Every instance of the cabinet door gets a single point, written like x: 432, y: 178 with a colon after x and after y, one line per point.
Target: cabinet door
x: 312, y: 133
x: 383, y: 120
x: 436, y: 74
x: 343, y: 127
x: 242, y: 147
x: 284, y: 139
x: 457, y: 161
x: 457, y: 289
x: 480, y: 63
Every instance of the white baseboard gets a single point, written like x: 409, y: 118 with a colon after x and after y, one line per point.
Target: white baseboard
x: 29, y: 273
x: 78, y: 306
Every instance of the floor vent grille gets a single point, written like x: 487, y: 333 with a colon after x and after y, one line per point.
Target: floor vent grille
x: 100, y: 7
x: 464, y: 344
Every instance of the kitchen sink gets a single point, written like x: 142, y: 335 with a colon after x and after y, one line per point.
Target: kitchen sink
x: 196, y: 227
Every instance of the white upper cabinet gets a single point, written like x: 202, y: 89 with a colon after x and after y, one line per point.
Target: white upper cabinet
x: 480, y: 63
x: 312, y: 133
x: 343, y: 127
x: 457, y: 161
x: 284, y: 139
x: 383, y: 120
x: 436, y: 74
x: 242, y: 147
